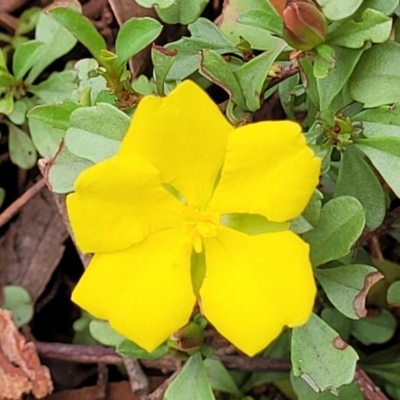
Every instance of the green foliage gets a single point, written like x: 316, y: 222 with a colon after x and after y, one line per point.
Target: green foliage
x: 2, y: 196
x: 132, y: 350
x: 336, y: 10
x: 192, y: 379
x: 340, y: 225
x: 374, y: 27
x: 321, y: 357
x: 22, y: 151
x: 81, y: 28
x: 345, y: 94
x: 19, y: 302
x: 376, y: 77
x: 219, y: 377
x: 134, y: 36
x: 344, y: 286
x: 103, y: 333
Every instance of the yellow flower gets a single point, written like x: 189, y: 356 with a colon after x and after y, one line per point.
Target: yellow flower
x: 123, y: 210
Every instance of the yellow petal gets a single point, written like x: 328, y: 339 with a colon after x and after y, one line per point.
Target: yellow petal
x: 145, y: 292
x: 119, y: 202
x: 268, y: 170
x: 184, y: 135
x: 256, y: 285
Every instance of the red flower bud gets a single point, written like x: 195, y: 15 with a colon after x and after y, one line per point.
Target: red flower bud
x: 305, y: 25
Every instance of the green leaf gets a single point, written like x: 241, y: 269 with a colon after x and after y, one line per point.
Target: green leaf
x: 306, y: 392
x: 252, y: 224
x: 192, y: 379
x: 27, y: 21
x: 89, y: 80
x: 253, y: 75
x: 338, y: 322
x: 386, y: 7
x: 309, y: 80
x: 216, y: 69
x: 96, y: 132
x: 263, y: 19
x: 2, y: 196
x: 25, y: 57
x: 347, y: 287
x: 132, y: 350
x: 57, y: 88
x: 324, y: 61
x: 3, y: 61
x: 309, y: 218
x: 57, y: 116
x: 163, y: 60
x: 236, y: 31
x: 81, y: 28
x: 219, y: 377
x: 47, y: 125
x: 57, y: 42
x: 321, y: 357
x: 45, y: 138
x: 384, y: 366
x: 377, y: 329
x: 103, y: 333
x: 62, y: 172
x: 287, y: 95
x: 330, y: 86
x: 381, y: 121
x: 152, y: 3
x: 18, y: 114
x: 7, y: 104
x: 340, y: 225
x: 336, y: 10
x: 182, y: 11
x: 19, y: 302
x: 393, y: 294
x: 6, y: 79
x: 374, y: 27
x: 134, y: 35
x: 22, y: 151
x: 357, y: 179
x: 376, y: 78
x: 143, y: 86
x: 384, y: 153
x: 205, y: 35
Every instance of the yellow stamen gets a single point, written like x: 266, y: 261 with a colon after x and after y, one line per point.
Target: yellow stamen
x: 200, y: 224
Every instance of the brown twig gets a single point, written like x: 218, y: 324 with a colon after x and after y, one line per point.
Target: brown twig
x: 286, y: 72
x: 78, y: 353
x: 158, y: 394
x: 137, y: 378
x: 97, y: 354
x: 244, y: 363
x: 368, y: 387
x: 14, y: 208
x: 102, y: 381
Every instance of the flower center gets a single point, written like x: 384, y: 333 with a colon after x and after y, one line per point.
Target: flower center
x: 200, y: 224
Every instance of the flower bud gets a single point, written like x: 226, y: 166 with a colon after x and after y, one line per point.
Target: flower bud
x: 305, y: 25
x: 187, y: 339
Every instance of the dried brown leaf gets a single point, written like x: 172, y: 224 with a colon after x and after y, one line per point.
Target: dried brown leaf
x: 20, y: 368
x: 359, y: 300
x: 32, y: 246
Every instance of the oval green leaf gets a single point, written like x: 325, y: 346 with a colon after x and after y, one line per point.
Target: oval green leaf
x: 134, y: 35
